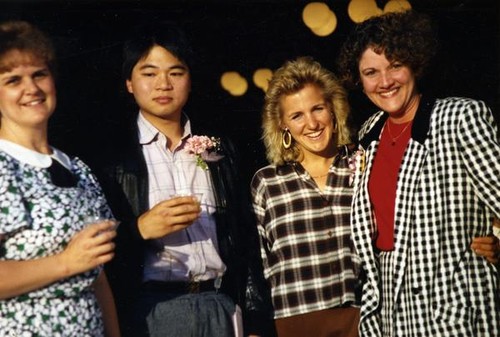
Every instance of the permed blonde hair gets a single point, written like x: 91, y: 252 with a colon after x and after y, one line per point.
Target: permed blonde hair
x: 293, y: 76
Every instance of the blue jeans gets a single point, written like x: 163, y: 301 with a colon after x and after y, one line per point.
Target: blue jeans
x: 206, y: 314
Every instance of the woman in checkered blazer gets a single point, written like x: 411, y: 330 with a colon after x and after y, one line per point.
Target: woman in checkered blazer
x: 427, y: 183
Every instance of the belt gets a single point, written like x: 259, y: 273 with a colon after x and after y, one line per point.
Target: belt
x: 180, y: 287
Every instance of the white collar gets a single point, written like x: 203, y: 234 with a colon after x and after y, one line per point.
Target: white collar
x: 34, y: 158
x: 148, y: 132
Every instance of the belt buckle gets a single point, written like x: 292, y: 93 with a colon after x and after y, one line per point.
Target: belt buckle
x: 193, y: 287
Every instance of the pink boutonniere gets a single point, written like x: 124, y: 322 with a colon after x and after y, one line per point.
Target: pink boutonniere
x: 204, y: 148
x: 356, y: 160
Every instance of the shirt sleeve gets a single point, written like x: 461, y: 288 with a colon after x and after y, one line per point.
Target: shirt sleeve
x: 258, y: 201
x: 13, y: 212
x: 480, y: 150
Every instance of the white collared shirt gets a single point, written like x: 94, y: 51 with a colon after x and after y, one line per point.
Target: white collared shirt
x: 191, y: 253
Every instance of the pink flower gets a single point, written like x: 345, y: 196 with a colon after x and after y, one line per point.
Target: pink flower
x: 357, y: 159
x: 199, y: 144
x: 204, y: 148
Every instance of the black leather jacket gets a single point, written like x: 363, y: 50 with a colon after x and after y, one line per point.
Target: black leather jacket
x: 125, y: 184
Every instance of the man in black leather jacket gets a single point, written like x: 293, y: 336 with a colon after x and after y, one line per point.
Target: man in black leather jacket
x: 155, y: 297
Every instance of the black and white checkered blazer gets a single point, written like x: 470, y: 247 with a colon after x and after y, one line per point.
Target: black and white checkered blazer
x: 448, y: 191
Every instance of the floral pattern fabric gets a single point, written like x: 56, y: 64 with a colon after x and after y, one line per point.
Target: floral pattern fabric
x: 38, y: 219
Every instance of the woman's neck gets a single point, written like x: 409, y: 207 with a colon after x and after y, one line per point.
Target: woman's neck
x: 318, y: 166
x: 35, y: 139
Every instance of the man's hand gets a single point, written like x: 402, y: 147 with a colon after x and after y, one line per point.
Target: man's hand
x: 168, y: 217
x: 488, y: 247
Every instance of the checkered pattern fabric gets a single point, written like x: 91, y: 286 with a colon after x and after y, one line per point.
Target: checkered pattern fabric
x: 448, y: 192
x: 305, y: 237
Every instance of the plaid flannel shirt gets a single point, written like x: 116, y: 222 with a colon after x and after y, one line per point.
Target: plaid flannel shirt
x: 305, y: 237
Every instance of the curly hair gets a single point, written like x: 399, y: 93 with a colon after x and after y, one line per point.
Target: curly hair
x: 26, y: 38
x: 293, y: 76
x: 407, y: 37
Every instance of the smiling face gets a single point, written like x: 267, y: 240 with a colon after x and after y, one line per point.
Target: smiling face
x: 307, y: 115
x: 27, y: 92
x: 389, y: 85
x: 160, y: 83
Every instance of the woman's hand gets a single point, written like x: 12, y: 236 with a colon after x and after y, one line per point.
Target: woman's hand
x: 89, y: 248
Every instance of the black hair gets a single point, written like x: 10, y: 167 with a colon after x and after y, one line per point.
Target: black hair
x: 146, y: 36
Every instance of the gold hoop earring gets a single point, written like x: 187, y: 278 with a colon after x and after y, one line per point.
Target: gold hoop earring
x: 335, y: 126
x: 286, y: 138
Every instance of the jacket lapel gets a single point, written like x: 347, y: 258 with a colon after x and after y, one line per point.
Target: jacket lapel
x: 408, y: 182
x: 407, y: 187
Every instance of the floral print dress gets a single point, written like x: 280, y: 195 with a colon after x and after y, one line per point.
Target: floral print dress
x: 38, y: 219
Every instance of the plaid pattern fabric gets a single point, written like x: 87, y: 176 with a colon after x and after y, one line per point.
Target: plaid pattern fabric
x: 305, y: 237
x: 193, y: 251
x: 448, y: 192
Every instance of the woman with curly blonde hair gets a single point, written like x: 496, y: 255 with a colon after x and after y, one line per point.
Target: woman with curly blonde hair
x: 302, y: 202
x: 288, y: 80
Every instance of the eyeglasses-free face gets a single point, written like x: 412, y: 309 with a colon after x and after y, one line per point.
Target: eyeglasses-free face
x: 389, y: 85
x: 27, y: 92
x: 310, y: 121
x: 161, y: 84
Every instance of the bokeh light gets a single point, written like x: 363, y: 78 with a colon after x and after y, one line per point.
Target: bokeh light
x: 315, y: 14
x: 234, y: 83
x: 328, y: 27
x: 318, y: 17
x: 360, y: 10
x: 261, y: 78
x: 397, y: 6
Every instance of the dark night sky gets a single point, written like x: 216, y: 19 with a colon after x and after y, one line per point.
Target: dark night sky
x: 233, y: 35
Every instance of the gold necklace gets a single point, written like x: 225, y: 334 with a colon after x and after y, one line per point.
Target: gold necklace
x: 400, y: 134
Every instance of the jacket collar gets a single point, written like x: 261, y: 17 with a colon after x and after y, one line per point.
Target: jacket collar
x: 420, y: 126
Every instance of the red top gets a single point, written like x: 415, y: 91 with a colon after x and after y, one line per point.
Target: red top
x: 383, y: 180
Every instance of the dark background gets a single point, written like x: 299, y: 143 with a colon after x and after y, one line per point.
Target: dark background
x: 233, y: 35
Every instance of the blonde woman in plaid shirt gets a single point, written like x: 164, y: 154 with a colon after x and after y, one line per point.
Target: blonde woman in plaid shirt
x: 302, y: 202
x: 430, y: 185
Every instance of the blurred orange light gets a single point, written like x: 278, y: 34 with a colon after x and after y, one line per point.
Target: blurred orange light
x: 315, y: 14
x: 360, y: 10
x: 328, y: 27
x: 234, y: 83
x: 397, y: 6
x: 261, y: 78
